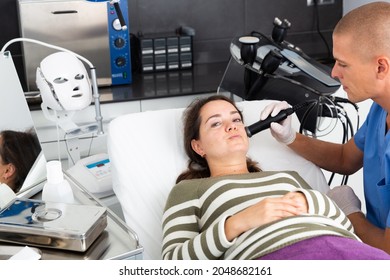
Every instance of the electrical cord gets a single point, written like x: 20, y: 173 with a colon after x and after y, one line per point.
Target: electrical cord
x: 317, y: 105
x: 317, y: 20
x: 336, y: 112
x: 67, y: 146
x: 262, y: 36
x: 348, y: 130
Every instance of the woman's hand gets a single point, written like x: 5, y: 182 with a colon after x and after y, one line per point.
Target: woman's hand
x: 300, y: 199
x: 265, y: 211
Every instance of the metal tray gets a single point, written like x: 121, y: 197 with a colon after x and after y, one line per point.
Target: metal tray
x: 54, y: 225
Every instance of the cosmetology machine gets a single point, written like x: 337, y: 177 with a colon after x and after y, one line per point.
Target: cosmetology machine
x: 264, y: 67
x: 272, y: 68
x: 96, y: 31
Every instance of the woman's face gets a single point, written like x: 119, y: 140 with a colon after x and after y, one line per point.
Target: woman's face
x: 3, y: 170
x: 3, y: 167
x: 222, y: 133
x: 6, y: 170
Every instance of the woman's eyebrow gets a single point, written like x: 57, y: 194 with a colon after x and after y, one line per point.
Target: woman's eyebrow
x: 213, y: 116
x: 219, y: 115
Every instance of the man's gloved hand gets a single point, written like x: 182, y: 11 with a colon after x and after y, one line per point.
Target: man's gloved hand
x: 282, y: 131
x: 346, y: 199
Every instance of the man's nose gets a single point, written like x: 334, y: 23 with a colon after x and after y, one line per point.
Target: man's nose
x: 335, y: 72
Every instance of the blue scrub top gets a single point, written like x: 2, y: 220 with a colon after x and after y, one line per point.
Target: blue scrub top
x: 373, y: 139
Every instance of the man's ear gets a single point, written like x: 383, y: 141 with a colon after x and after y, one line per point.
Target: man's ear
x: 197, y: 147
x: 383, y: 67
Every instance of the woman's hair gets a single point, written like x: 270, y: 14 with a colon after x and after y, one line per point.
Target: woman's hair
x: 20, y: 149
x: 197, y: 165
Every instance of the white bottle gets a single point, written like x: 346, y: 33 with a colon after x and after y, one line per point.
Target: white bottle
x: 6, y: 195
x: 56, y: 189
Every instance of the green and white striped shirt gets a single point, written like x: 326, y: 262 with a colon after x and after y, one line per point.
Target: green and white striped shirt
x: 196, y: 210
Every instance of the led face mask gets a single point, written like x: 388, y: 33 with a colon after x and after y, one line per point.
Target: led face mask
x: 63, y: 82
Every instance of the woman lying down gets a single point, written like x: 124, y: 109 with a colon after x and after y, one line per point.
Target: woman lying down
x: 224, y: 207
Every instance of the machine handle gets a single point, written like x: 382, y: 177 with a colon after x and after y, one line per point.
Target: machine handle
x: 120, y: 15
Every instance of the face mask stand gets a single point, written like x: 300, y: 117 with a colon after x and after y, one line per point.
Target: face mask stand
x: 96, y: 96
x: 71, y: 130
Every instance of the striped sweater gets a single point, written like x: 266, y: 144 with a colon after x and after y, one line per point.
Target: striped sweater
x: 196, y: 210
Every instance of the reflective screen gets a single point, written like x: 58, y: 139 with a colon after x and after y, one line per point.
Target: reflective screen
x: 15, y: 113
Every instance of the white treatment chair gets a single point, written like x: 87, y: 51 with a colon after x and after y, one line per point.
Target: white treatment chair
x: 147, y: 155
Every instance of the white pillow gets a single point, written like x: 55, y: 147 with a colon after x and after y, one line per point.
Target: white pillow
x: 146, y: 153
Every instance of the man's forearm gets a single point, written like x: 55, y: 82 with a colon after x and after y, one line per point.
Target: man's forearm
x: 324, y: 154
x: 369, y: 233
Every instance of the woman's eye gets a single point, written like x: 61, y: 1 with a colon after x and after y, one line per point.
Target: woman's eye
x: 215, y: 124
x: 238, y: 120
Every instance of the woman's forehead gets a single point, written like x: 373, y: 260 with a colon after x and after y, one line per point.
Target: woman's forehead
x: 217, y: 105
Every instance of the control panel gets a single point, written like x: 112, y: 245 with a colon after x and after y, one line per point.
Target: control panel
x: 119, y: 40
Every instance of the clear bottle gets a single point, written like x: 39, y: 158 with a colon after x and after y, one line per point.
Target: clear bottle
x: 56, y: 189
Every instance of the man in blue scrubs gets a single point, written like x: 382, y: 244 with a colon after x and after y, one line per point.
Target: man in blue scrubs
x: 361, y: 48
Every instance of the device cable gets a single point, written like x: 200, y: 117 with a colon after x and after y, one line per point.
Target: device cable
x: 317, y: 19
